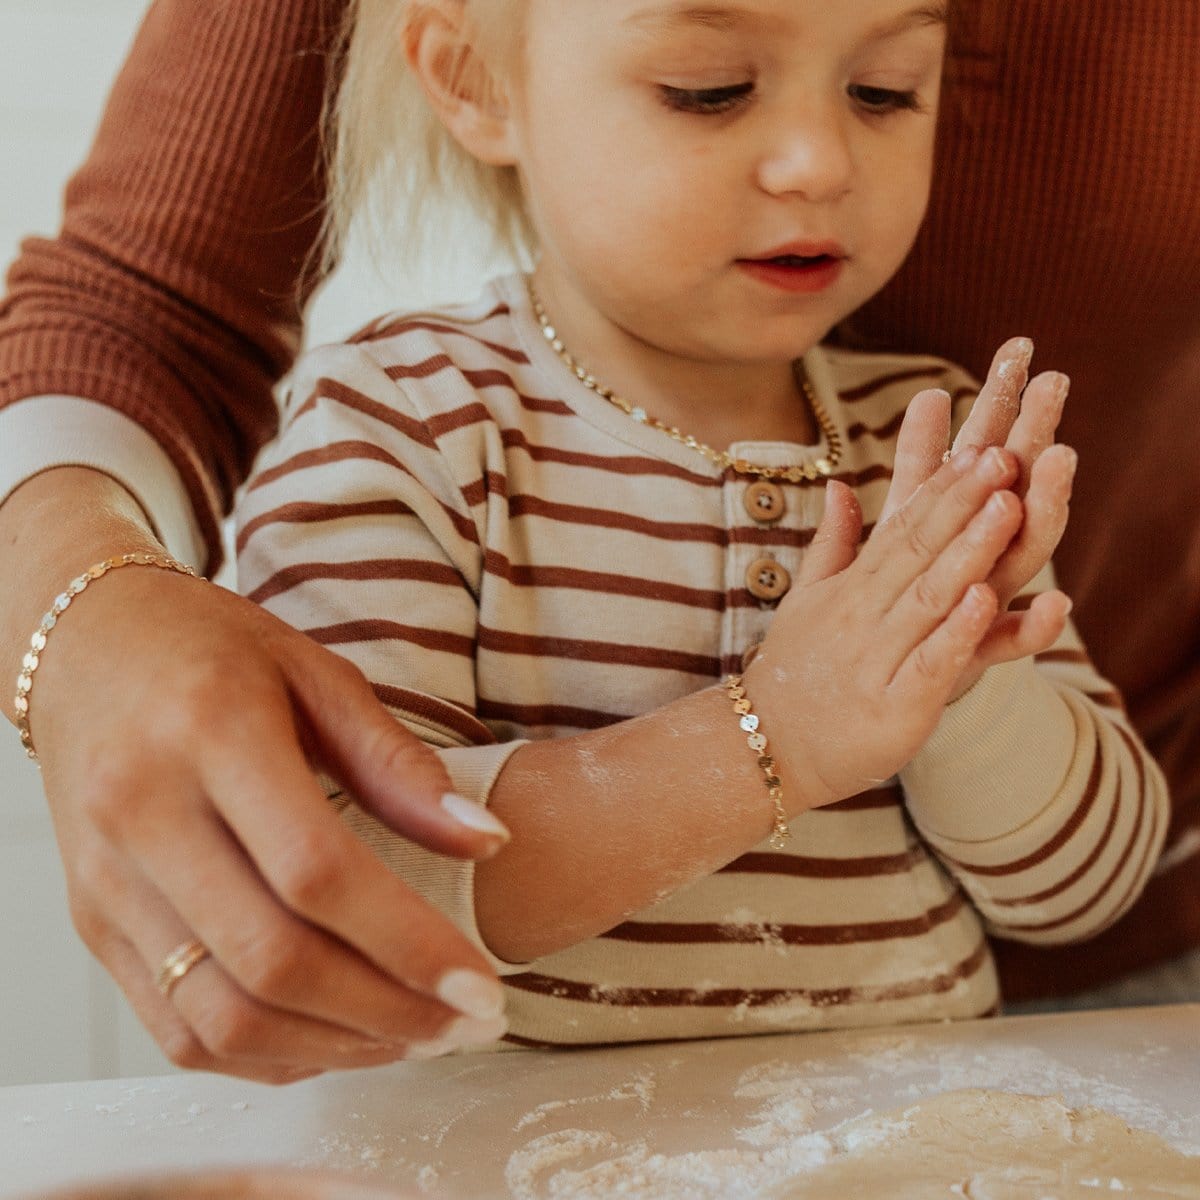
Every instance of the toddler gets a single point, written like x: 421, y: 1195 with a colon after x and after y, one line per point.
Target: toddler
x: 770, y: 684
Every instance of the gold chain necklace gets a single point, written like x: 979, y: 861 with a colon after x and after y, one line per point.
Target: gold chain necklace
x: 819, y: 469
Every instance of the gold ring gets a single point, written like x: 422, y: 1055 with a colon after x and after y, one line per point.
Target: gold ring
x: 178, y: 963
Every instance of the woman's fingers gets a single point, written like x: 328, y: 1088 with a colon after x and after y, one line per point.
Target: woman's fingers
x: 998, y: 404
x: 271, y: 954
x: 320, y: 872
x: 920, y: 446
x: 1017, y: 635
x: 388, y: 770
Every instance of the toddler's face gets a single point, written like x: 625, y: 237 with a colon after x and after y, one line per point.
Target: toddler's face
x: 727, y: 178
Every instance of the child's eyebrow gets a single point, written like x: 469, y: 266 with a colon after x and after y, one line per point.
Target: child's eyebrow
x: 925, y: 14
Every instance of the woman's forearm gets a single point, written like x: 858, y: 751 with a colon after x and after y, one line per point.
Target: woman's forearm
x: 51, y: 528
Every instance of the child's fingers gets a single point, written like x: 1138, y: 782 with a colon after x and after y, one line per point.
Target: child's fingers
x: 999, y: 401
x: 923, y: 438
x: 899, y: 552
x: 1047, y: 507
x: 835, y: 543
x: 969, y: 559
x: 1035, y: 427
x: 934, y: 666
x: 1020, y: 635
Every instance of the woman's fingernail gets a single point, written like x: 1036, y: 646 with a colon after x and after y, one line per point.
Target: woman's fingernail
x: 473, y: 816
x: 466, y: 1032
x: 471, y: 993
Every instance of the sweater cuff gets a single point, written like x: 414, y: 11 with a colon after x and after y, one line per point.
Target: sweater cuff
x: 42, y: 432
x: 447, y: 884
x: 996, y: 760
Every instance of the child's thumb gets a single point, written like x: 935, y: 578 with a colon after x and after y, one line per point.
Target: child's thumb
x: 835, y: 543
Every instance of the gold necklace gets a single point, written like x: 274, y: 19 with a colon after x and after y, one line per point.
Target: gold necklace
x: 818, y: 469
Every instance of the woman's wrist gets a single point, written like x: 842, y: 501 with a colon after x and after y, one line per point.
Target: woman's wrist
x: 51, y: 528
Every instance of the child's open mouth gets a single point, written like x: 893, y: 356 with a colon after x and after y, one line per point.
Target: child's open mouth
x: 795, y: 272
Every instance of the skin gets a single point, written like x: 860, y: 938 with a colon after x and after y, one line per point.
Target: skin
x: 881, y: 639
x: 184, y: 801
x: 184, y: 805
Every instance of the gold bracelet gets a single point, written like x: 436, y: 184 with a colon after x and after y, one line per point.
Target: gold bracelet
x: 37, y: 643
x: 757, y: 742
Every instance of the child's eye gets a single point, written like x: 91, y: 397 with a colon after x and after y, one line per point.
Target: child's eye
x: 706, y: 100
x: 883, y: 100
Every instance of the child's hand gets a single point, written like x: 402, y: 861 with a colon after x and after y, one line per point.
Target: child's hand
x: 1026, y: 425
x: 866, y: 650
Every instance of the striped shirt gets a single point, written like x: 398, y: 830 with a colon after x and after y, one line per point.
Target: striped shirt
x: 507, y: 556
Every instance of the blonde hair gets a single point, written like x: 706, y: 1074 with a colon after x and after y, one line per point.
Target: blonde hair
x: 395, y: 171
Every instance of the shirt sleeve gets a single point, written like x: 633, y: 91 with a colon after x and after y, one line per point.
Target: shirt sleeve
x: 173, y: 293
x: 1038, y: 796
x: 68, y: 431
x: 357, y: 530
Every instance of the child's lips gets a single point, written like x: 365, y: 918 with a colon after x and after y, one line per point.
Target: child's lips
x: 796, y: 272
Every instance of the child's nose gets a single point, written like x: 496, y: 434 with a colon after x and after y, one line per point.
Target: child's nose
x: 811, y: 157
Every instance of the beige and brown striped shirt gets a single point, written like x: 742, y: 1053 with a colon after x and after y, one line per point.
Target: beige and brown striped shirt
x: 507, y: 556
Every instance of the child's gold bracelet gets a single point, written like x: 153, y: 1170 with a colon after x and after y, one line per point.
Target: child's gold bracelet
x: 37, y: 643
x: 757, y: 742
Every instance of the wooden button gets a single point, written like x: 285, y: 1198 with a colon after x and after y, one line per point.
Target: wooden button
x: 764, y: 501
x: 766, y: 579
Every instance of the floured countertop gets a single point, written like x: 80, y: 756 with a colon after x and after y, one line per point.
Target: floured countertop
x: 722, y: 1118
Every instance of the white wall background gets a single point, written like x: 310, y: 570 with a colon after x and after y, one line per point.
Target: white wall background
x: 60, y: 1017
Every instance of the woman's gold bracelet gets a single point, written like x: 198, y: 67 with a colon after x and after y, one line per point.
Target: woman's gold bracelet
x: 37, y: 643
x: 757, y: 742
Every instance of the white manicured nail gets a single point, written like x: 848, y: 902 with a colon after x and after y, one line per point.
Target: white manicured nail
x: 470, y: 993
x: 473, y: 816
x: 468, y: 1032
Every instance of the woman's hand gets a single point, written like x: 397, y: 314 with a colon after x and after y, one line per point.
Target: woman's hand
x: 179, y: 727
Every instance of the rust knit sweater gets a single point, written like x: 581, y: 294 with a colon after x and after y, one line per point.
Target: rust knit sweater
x: 1064, y: 208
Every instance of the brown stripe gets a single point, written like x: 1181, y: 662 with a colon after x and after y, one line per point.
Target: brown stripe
x: 301, y: 512
x: 931, y: 372
x: 385, y: 414
x: 502, y: 641
x: 870, y: 801
x: 561, y: 716
x: 432, y: 708
x: 1063, y: 656
x: 745, y: 535
x: 412, y: 326
x: 337, y: 452
x: 1109, y: 698
x: 573, y: 514
x: 1138, y: 825
x: 360, y: 571
x: 642, y: 997
x: 377, y: 630
x: 1056, y: 843
x: 803, y: 867
x: 884, y: 432
x: 620, y: 464
x: 388, y: 326
x: 601, y: 582
x: 681, y: 933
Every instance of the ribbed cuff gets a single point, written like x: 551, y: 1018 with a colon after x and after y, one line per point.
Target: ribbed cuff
x: 995, y: 761
x: 43, y: 432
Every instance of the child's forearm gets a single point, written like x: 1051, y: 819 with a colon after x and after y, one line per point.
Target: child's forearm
x: 607, y: 822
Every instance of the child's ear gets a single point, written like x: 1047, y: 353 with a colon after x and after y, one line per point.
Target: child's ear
x: 441, y: 49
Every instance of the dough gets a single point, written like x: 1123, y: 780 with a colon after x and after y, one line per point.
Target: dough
x: 987, y: 1145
